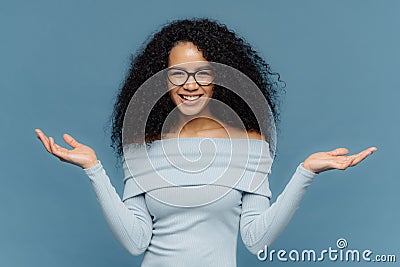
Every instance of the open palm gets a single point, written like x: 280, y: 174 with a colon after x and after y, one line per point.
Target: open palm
x: 81, y: 155
x: 335, y: 159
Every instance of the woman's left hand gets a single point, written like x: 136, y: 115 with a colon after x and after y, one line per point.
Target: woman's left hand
x: 323, y: 161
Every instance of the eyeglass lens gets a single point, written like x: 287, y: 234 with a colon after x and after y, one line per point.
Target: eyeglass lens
x: 179, y: 76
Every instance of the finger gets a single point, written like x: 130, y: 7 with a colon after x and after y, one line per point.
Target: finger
x: 51, y: 144
x: 365, y: 152
x: 71, y: 141
x: 43, y: 138
x: 338, y: 151
x: 361, y: 156
x: 41, y: 134
x: 54, y: 149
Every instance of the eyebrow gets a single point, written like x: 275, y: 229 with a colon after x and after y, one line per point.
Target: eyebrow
x: 199, y: 68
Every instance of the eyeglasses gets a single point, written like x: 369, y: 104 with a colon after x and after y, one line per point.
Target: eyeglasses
x: 179, y: 76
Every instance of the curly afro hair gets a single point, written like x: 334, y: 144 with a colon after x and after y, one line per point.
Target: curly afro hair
x: 218, y: 44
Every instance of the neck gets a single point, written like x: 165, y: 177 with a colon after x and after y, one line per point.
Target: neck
x: 198, y: 122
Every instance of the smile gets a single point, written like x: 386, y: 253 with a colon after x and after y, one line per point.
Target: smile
x: 190, y: 98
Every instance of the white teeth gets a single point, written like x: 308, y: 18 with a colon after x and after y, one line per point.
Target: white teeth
x: 190, y: 98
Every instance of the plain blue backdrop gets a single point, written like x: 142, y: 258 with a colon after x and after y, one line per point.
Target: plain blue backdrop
x: 62, y: 63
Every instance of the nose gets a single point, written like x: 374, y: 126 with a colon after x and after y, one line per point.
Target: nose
x: 191, y: 84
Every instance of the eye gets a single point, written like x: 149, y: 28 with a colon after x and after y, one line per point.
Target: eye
x: 177, y: 73
x: 204, y: 73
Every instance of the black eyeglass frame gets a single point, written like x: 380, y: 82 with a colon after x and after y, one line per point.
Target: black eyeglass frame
x: 190, y: 74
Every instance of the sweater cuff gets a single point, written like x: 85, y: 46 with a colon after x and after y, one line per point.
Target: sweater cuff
x: 306, y: 172
x: 94, y: 169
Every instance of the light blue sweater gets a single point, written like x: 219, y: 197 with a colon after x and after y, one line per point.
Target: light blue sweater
x: 184, y: 206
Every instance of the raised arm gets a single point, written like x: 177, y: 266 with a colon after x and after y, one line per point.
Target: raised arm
x: 130, y: 220
x: 261, y: 223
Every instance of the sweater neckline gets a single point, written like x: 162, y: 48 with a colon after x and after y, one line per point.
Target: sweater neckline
x: 221, y: 139
x: 229, y: 163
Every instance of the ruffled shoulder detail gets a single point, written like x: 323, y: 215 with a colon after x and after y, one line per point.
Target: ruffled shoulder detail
x: 213, y: 165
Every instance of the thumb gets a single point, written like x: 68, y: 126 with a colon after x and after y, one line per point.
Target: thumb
x: 339, y: 151
x: 70, y: 141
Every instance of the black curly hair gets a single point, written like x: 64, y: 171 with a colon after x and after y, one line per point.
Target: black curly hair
x: 218, y: 44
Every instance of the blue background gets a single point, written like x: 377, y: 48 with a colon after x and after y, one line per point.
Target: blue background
x: 62, y: 63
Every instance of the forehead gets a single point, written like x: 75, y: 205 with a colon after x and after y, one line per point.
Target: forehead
x: 186, y: 55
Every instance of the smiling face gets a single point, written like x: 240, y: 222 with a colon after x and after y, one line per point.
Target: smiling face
x: 190, y: 96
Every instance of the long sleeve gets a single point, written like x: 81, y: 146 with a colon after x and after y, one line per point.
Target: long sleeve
x: 130, y: 220
x: 260, y: 223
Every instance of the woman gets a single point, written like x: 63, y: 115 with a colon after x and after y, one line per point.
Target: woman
x: 177, y: 227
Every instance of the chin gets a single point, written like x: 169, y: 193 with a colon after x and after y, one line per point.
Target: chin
x: 190, y: 111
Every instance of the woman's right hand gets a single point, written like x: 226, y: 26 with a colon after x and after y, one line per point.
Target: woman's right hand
x: 81, y: 155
